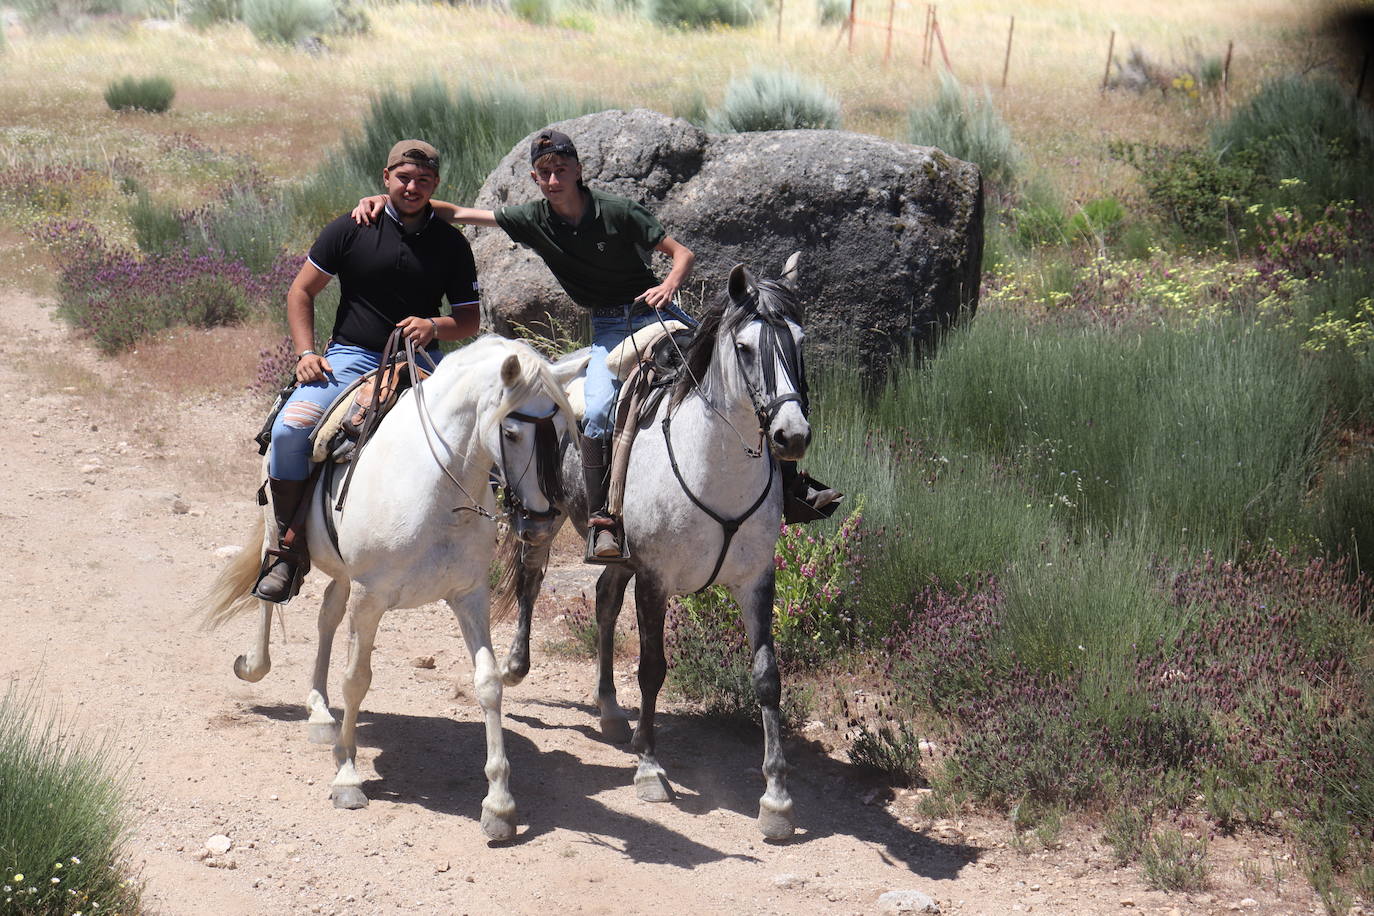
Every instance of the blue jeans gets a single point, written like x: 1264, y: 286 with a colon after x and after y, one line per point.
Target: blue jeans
x: 600, y: 388
x: 290, y: 458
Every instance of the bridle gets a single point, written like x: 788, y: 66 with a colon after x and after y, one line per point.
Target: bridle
x: 545, y: 456
x: 766, y: 405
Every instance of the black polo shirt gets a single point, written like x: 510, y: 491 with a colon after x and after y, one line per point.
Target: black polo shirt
x: 386, y: 274
x: 603, y: 260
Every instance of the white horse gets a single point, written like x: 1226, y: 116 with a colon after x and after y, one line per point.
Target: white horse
x: 418, y: 526
x: 702, y: 506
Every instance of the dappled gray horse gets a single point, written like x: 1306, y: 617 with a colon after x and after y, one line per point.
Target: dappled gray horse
x: 702, y: 506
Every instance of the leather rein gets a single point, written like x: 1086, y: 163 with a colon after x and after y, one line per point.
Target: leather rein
x: 770, y: 341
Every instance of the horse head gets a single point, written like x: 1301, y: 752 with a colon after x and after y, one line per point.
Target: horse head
x: 761, y: 324
x: 534, y: 424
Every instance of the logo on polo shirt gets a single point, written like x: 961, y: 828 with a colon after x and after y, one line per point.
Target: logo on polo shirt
x: 600, y: 246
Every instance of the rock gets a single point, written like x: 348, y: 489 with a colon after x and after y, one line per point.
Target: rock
x: 906, y: 902
x: 219, y: 844
x: 891, y: 235
x: 788, y: 881
x: 92, y: 468
x: 179, y: 507
x: 1249, y: 903
x: 422, y: 661
x: 1127, y: 902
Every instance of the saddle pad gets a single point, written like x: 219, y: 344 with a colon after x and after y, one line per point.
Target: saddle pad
x: 639, y: 344
x: 333, y: 419
x: 577, y: 398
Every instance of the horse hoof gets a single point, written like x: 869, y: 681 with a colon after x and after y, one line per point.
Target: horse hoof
x: 350, y: 797
x: 653, y: 787
x: 511, y: 677
x: 776, y: 821
x: 496, y: 827
x: 322, y: 732
x: 615, y: 729
x: 251, y: 675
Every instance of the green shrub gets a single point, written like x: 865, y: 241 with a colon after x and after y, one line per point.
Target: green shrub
x: 64, y: 820
x: 1174, y: 862
x: 1098, y: 219
x: 831, y: 12
x: 473, y: 128
x: 154, y: 93
x: 1202, y: 193
x: 892, y: 750
x: 967, y: 128
x: 702, y: 14
x: 1305, y: 129
x: 1343, y: 510
x: 774, y: 100
x: 158, y: 227
x: 64, y: 13
x: 244, y: 225
x: 287, y: 21
x: 539, y: 12
x: 202, y: 14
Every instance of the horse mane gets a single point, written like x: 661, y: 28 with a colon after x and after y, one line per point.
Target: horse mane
x: 771, y: 300
x: 454, y: 373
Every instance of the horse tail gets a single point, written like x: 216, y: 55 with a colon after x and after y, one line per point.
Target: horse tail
x: 508, y: 562
x: 231, y: 593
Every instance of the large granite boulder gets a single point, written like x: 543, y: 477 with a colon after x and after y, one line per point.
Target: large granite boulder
x: 891, y: 235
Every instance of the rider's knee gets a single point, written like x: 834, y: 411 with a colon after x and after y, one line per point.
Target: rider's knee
x: 301, y: 415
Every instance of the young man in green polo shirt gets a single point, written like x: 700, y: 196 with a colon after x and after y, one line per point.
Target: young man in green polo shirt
x: 597, y: 247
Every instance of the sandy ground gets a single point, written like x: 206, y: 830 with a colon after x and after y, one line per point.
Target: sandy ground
x: 115, y: 521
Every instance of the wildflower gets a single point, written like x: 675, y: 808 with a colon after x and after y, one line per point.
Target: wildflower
x: 18, y: 878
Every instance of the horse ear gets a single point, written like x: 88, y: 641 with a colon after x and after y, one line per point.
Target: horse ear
x: 741, y: 282
x: 510, y: 370
x: 789, y: 271
x: 568, y: 368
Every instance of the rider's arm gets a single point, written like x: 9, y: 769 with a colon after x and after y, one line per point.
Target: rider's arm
x: 369, y: 208
x: 661, y: 295
x: 300, y: 319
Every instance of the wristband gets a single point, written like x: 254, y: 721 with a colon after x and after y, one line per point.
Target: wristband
x: 435, y: 323
x: 304, y: 353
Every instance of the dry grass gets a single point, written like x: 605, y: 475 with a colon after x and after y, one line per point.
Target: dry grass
x: 188, y: 363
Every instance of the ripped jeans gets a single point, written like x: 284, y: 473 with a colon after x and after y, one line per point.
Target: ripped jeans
x: 600, y: 388
x: 290, y: 457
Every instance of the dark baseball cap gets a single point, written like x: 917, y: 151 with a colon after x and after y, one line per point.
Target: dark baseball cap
x: 417, y: 152
x: 551, y: 141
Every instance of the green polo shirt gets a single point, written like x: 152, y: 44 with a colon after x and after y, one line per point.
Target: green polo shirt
x: 603, y: 260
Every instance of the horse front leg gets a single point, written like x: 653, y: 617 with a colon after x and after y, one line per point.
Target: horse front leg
x: 253, y: 665
x: 498, y: 808
x: 530, y: 578
x: 364, y: 616
x: 321, y: 725
x: 610, y: 595
x: 651, y: 606
x: 775, y: 807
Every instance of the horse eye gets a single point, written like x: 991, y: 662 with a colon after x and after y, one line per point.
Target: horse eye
x: 510, y: 434
x: 742, y: 347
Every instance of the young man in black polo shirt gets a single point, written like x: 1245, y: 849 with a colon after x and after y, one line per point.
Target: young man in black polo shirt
x: 393, y: 273
x: 597, y: 246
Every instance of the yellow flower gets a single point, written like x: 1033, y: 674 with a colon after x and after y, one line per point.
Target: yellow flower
x: 18, y: 878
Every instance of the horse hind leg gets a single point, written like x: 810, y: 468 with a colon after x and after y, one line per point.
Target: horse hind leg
x: 610, y: 595
x: 347, y: 787
x: 321, y: 727
x: 253, y: 665
x: 498, y: 807
x: 651, y: 605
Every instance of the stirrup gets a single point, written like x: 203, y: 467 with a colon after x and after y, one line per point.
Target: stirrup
x: 300, y: 567
x: 589, y: 555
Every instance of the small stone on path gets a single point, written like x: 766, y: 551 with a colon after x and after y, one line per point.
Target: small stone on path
x: 219, y: 844
x: 906, y: 902
x: 422, y: 661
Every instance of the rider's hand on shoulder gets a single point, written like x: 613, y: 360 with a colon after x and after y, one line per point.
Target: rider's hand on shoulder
x: 369, y: 209
x: 312, y: 367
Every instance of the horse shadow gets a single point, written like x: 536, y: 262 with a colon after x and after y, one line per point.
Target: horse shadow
x: 437, y: 763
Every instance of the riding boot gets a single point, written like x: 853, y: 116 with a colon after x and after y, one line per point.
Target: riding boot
x: 596, y: 474
x: 283, y: 567
x: 808, y: 499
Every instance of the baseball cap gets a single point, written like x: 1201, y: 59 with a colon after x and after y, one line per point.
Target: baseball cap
x: 551, y: 141
x: 414, y: 151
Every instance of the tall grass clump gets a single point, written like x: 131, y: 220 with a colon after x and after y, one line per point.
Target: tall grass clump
x: 202, y: 14
x: 968, y: 128
x: 702, y: 14
x: 64, y: 816
x: 774, y: 100
x: 1312, y: 145
x: 287, y: 21
x: 131, y: 93
x: 538, y: 12
x: 473, y: 128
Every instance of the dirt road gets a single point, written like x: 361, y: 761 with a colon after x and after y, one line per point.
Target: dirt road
x: 118, y: 520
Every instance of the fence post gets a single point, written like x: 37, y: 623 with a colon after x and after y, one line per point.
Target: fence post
x: 887, y: 51
x: 1364, y: 69
x: 779, y: 21
x: 940, y: 37
x: 852, y: 5
x: 1106, y: 74
x: 925, y: 39
x: 1226, y: 70
x: 1006, y: 61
